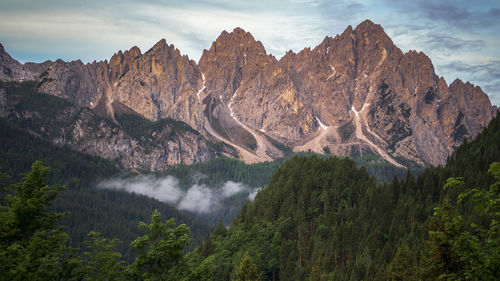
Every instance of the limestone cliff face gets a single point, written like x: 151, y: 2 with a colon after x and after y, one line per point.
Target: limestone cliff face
x: 132, y: 143
x: 161, y: 83
x: 81, y: 84
x: 158, y: 84
x: 353, y: 93
x: 158, y: 151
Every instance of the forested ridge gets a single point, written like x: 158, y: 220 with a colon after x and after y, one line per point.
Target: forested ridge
x: 318, y: 219
x: 325, y: 219
x: 117, y: 213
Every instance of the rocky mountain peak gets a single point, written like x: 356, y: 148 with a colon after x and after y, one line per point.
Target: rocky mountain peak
x: 237, y: 42
x: 120, y: 62
x: 133, y: 52
x: 5, y: 57
x: 159, y: 46
x: 240, y: 31
x: 458, y: 83
x: 232, y: 57
x: 368, y: 26
x: 12, y: 70
x: 370, y: 36
x: 164, y: 52
x: 353, y: 93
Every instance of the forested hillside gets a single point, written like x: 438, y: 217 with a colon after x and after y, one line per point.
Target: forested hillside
x: 318, y: 219
x: 116, y: 213
x: 113, y: 213
x: 325, y: 219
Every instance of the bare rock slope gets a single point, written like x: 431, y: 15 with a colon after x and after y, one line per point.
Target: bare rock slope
x: 356, y: 91
x: 130, y: 141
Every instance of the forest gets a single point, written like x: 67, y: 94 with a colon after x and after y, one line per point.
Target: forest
x: 326, y: 219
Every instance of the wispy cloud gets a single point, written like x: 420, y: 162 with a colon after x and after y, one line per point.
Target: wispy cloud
x: 448, y: 44
x: 164, y: 189
x: 198, y: 198
x: 460, y: 13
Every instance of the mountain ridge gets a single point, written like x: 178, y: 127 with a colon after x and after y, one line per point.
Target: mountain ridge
x: 356, y: 92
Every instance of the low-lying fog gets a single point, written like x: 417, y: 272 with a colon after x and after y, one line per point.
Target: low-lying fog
x: 198, y: 198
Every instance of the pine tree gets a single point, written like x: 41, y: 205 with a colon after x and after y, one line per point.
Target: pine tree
x: 247, y: 270
x: 160, y: 250
x: 103, y: 262
x: 403, y: 267
x: 32, y: 246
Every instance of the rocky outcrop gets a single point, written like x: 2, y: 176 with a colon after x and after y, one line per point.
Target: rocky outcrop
x: 82, y: 84
x: 12, y: 70
x: 354, y: 93
x: 157, y: 151
x: 4, y: 108
x: 159, y: 84
x: 131, y: 142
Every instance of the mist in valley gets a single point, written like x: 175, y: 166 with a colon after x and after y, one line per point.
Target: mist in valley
x: 198, y: 198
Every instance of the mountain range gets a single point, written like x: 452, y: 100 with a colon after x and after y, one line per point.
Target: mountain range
x: 352, y: 94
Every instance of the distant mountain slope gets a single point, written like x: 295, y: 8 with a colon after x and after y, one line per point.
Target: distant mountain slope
x: 128, y: 140
x: 354, y: 93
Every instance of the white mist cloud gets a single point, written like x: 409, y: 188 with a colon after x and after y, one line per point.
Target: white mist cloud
x: 163, y: 189
x: 252, y: 194
x: 198, y: 198
x: 231, y: 188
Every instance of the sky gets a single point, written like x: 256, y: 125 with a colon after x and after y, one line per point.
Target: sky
x: 461, y: 37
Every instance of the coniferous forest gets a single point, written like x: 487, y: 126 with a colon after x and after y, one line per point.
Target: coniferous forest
x: 316, y: 219
x: 325, y: 219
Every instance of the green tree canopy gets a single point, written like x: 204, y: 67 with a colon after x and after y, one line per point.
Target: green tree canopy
x: 457, y: 250
x: 247, y: 270
x: 32, y: 246
x: 160, y: 250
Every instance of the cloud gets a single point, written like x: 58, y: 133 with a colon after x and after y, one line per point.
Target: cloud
x: 395, y: 30
x: 461, y: 16
x: 163, y: 189
x: 458, y: 13
x: 95, y: 29
x: 198, y: 198
x: 252, y: 194
x: 446, y: 43
x: 73, y: 35
x: 231, y: 188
